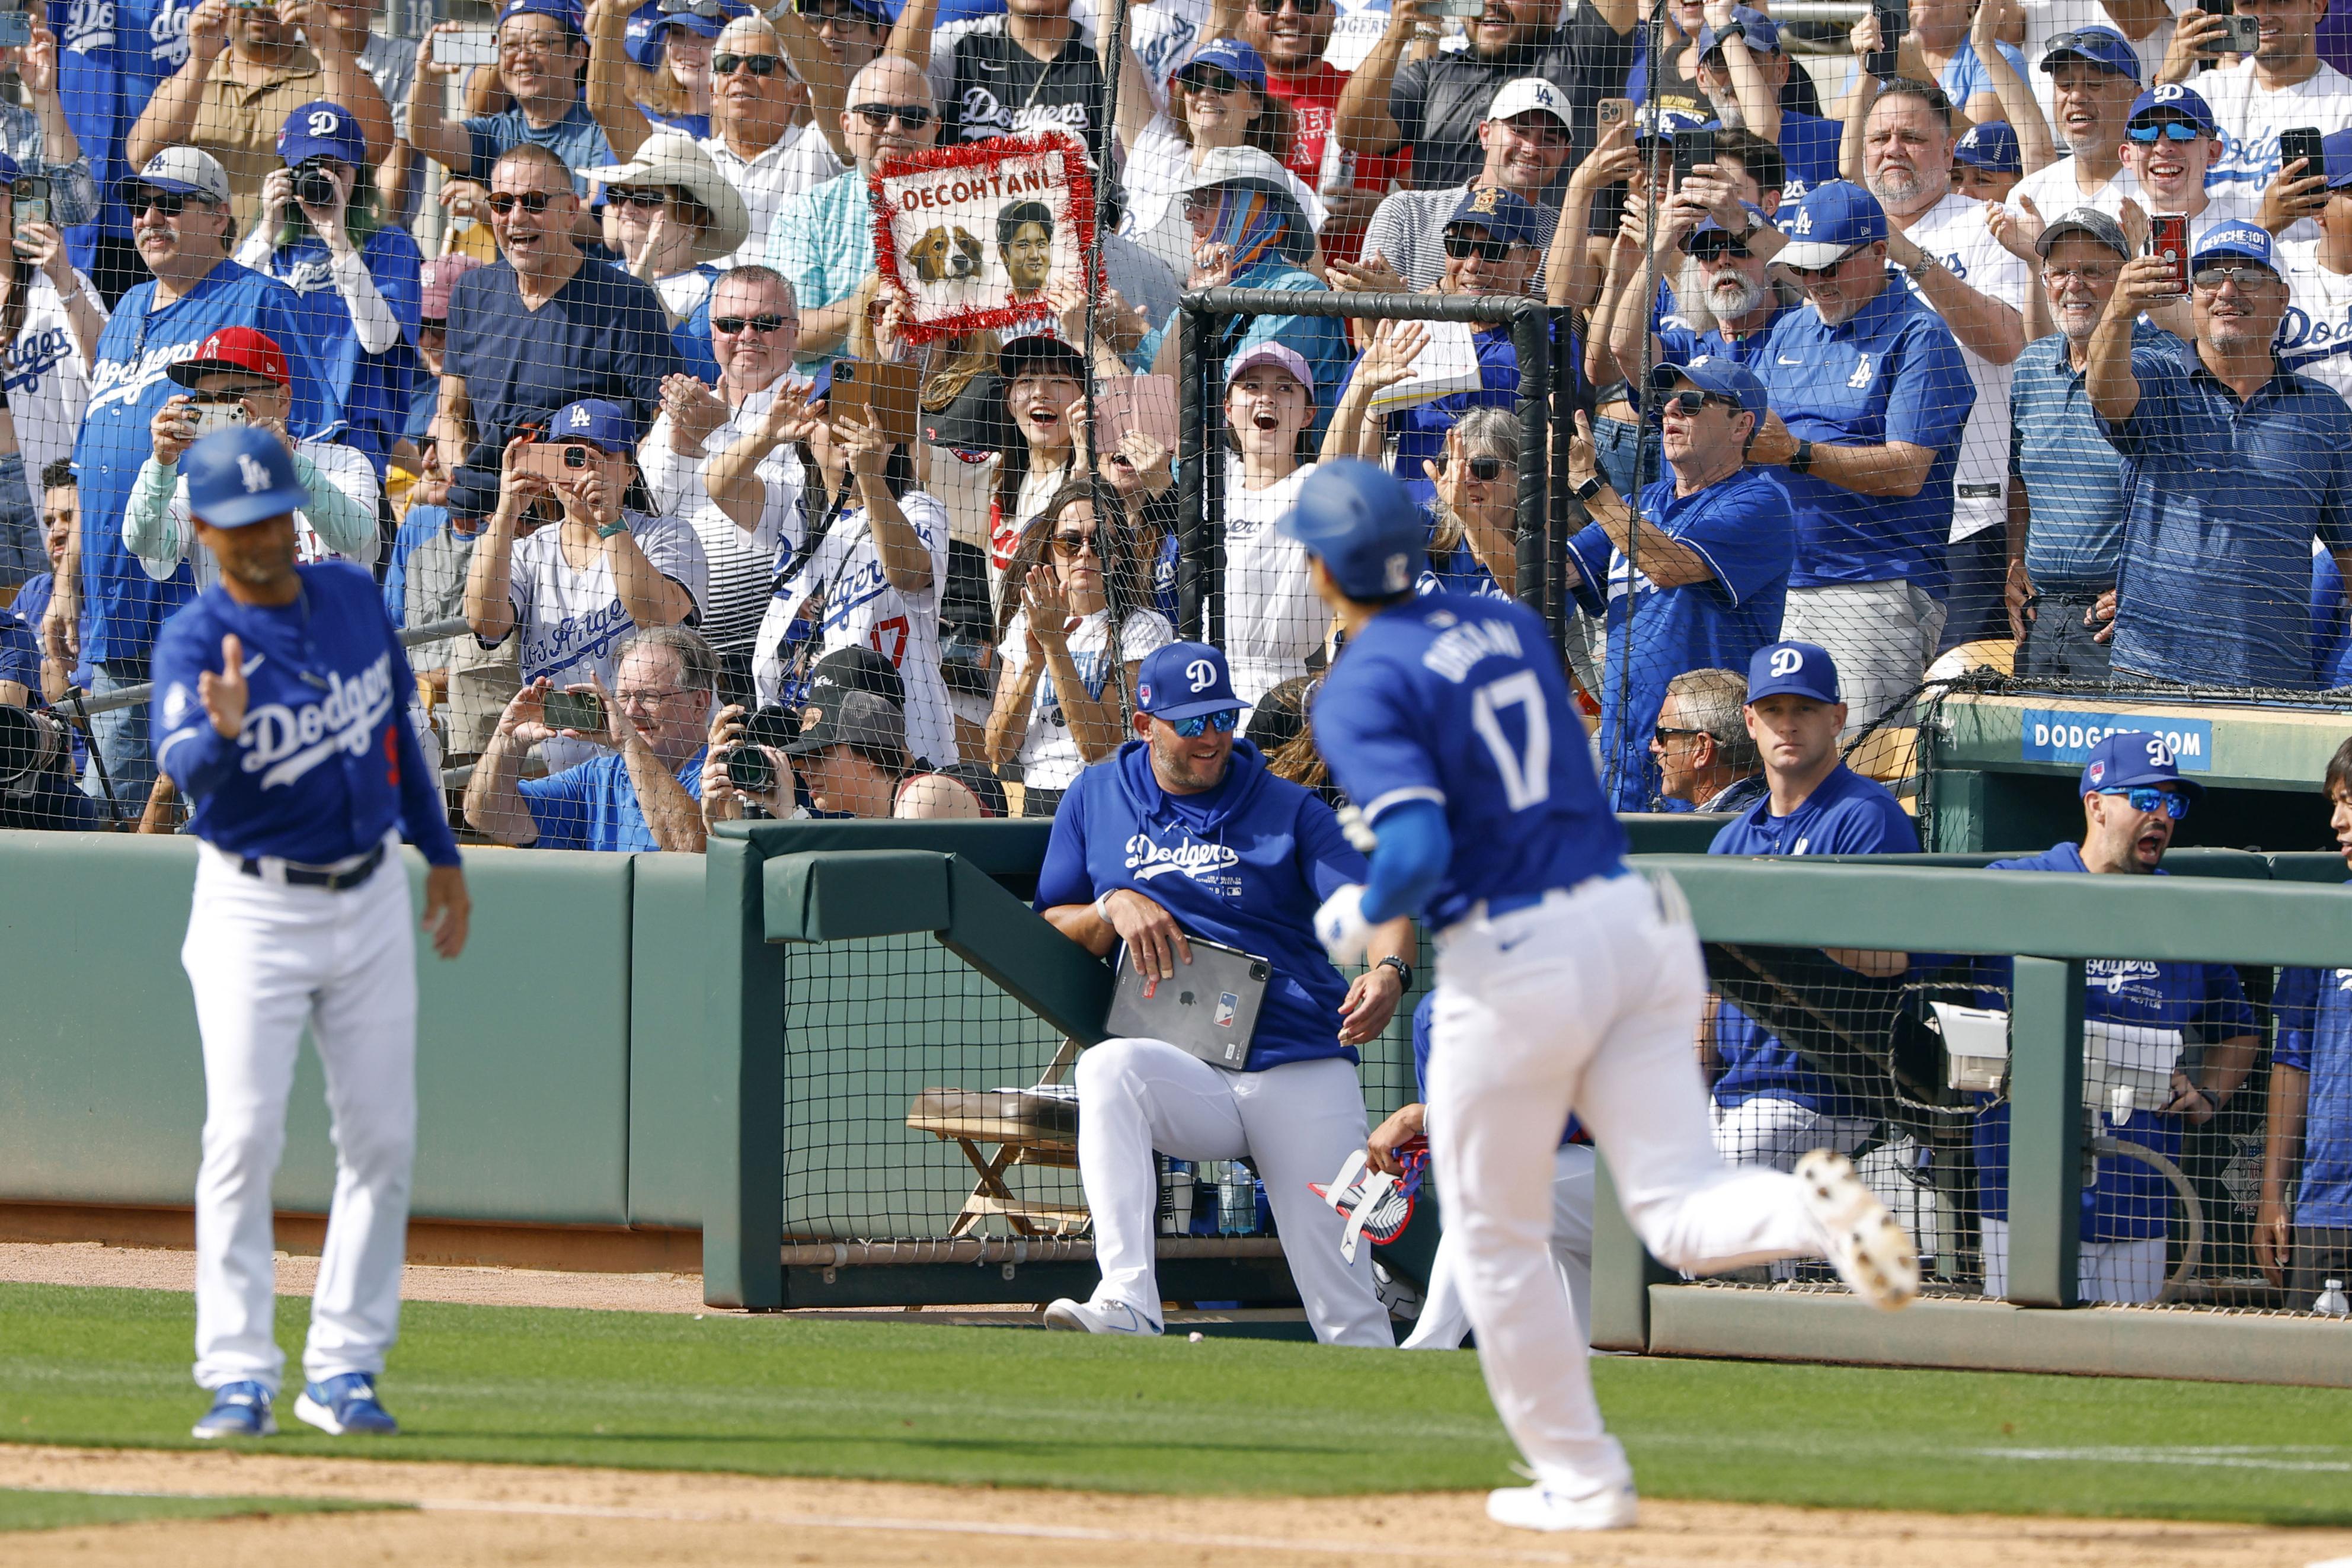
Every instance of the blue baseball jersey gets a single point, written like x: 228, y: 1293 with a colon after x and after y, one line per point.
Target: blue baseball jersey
x: 327, y: 761
x: 1891, y: 372
x: 594, y: 806
x: 20, y: 654
x: 374, y: 391
x: 1809, y: 143
x: 1245, y: 865
x: 1460, y: 701
x: 1741, y: 528
x: 1421, y: 1014
x: 2315, y: 1035
x: 2123, y: 1199
x: 128, y: 383
x: 111, y: 57
x: 1845, y: 815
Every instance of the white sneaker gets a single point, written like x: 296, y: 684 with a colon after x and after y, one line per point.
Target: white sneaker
x: 1084, y: 1317
x: 1872, y: 1253
x: 1540, y: 1508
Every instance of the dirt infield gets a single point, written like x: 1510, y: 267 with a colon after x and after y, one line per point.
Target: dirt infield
x: 496, y: 1514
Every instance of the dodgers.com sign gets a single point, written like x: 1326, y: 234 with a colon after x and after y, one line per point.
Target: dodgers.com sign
x: 2055, y: 734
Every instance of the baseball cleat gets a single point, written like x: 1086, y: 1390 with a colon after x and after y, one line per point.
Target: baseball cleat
x: 345, y: 1405
x: 1540, y: 1508
x: 1873, y: 1254
x: 239, y: 1410
x: 1084, y: 1317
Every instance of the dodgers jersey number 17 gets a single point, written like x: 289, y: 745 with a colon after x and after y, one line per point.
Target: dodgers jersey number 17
x: 1460, y: 701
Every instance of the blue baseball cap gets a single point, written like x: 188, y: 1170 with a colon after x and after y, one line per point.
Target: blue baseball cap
x: 1505, y: 214
x: 321, y: 130
x: 1832, y: 218
x: 1762, y: 32
x: 641, y: 39
x: 1356, y: 518
x: 1666, y: 121
x: 2246, y: 242
x: 2128, y: 758
x: 2335, y: 148
x: 599, y: 424
x: 241, y: 475
x: 2101, y: 46
x: 1717, y: 373
x: 1804, y: 669
x: 1230, y: 55
x: 1184, y: 680
x: 566, y: 12
x: 2170, y: 99
x: 1992, y: 147
x: 1708, y: 226
x: 709, y: 18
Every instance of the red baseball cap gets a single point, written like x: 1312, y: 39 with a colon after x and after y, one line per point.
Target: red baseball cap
x: 235, y: 349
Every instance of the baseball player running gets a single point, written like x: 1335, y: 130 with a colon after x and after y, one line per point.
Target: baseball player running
x: 1562, y: 983
x: 281, y: 696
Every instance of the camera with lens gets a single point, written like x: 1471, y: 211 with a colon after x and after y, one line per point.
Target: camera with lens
x: 747, y: 767
x: 36, y: 786
x: 313, y: 186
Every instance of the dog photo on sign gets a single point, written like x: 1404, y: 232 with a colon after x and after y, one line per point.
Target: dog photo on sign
x: 987, y: 233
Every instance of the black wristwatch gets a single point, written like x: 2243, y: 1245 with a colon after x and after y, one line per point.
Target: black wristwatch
x: 1802, y: 460
x: 1590, y: 489
x: 1403, y: 970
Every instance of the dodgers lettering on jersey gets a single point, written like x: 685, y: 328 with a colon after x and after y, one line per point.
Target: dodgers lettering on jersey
x: 111, y: 57
x: 1246, y: 864
x: 326, y: 761
x: 1460, y: 701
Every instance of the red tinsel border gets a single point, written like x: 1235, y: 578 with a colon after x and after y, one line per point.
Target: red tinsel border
x: 967, y: 155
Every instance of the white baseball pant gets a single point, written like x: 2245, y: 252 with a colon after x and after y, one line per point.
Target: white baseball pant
x: 2126, y: 1272
x: 264, y: 959
x: 1881, y: 636
x: 1445, y: 1321
x: 1298, y: 1122
x: 1587, y: 1001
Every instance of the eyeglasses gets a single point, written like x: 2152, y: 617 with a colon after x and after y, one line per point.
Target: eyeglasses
x: 1069, y: 546
x: 2148, y: 798
x: 1304, y: 8
x: 913, y: 116
x: 2101, y: 274
x: 1462, y: 248
x: 1224, y: 84
x: 762, y: 66
x: 639, y: 196
x: 538, y: 46
x: 2169, y: 130
x: 171, y: 203
x: 1484, y: 469
x: 765, y: 321
x: 821, y: 14
x: 504, y: 202
x: 1803, y: 272
x: 640, y: 699
x: 1222, y: 721
x: 2210, y: 279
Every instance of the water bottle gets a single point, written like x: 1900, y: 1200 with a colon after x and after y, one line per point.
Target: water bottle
x: 2331, y: 1302
x: 1236, y: 1201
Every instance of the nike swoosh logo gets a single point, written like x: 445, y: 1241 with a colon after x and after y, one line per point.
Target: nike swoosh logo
x: 1514, y: 942
x: 252, y: 664
x: 1787, y: 360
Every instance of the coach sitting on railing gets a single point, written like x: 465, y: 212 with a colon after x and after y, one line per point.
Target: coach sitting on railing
x: 1182, y: 834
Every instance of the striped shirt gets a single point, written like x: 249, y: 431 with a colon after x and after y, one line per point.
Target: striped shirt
x: 2073, y: 480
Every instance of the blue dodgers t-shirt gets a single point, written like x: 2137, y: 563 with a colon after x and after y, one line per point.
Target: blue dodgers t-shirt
x: 2331, y: 632
x: 1460, y: 701
x: 375, y: 392
x: 327, y: 761
x: 1246, y: 864
x: 1741, y: 528
x: 1845, y: 815
x: 594, y: 806
x: 1892, y: 372
x: 125, y: 606
x: 576, y: 139
x: 20, y: 654
x: 2123, y: 1200
x: 111, y: 57
x: 2314, y: 1036
x: 2226, y: 498
x: 604, y: 334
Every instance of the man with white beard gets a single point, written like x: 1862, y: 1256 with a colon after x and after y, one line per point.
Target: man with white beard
x: 1740, y: 297
x: 1959, y: 268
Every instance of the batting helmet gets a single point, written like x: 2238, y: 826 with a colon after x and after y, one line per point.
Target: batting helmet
x: 1355, y: 518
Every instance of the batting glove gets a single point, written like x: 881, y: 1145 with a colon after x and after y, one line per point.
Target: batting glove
x: 1341, y: 927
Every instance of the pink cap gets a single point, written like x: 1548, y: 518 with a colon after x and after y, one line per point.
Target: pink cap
x: 1276, y: 354
x: 439, y: 276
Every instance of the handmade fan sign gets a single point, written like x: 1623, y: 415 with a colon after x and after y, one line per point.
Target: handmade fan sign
x: 987, y: 233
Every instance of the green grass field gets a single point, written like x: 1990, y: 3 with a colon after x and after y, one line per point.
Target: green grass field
x: 23, y: 1510
x: 902, y: 1402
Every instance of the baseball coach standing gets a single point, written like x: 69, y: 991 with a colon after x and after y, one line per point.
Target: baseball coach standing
x: 281, y: 708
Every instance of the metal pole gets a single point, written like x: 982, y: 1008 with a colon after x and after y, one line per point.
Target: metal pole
x: 1212, y: 479
x: 1530, y: 342
x: 1191, y: 528
x: 1567, y: 513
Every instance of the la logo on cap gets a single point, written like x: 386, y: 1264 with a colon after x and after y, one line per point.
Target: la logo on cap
x: 255, y: 477
x: 1786, y: 662
x: 1804, y: 223
x: 579, y: 419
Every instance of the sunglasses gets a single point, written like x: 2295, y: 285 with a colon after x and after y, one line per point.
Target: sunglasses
x: 1484, y: 469
x: 1690, y: 400
x: 2169, y: 129
x: 708, y: 10
x: 639, y: 196
x: 1274, y: 8
x: 503, y: 203
x: 228, y: 397
x: 1069, y: 546
x: 913, y: 116
x: 1796, y: 271
x: 765, y: 321
x: 171, y: 203
x: 2148, y: 798
x: 819, y: 14
x: 1711, y: 248
x: 2210, y: 279
x: 1222, y: 721
x: 761, y: 66
x: 1224, y: 84
x: 1664, y: 733
x: 1462, y: 248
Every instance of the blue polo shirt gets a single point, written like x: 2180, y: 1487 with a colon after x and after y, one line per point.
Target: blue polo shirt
x: 2073, y: 479
x: 1741, y: 528
x: 576, y: 139
x: 2122, y: 1200
x: 594, y: 806
x: 603, y: 334
x: 2315, y: 1035
x: 2226, y: 498
x: 1892, y: 372
x: 1809, y: 145
x: 1246, y: 864
x: 1846, y: 815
